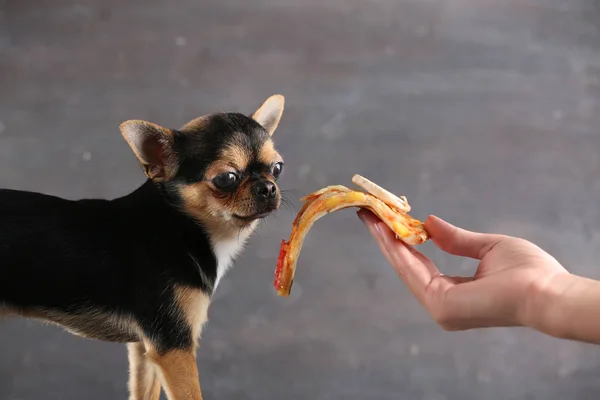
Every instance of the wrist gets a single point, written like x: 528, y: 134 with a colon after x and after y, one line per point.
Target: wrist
x: 547, y: 305
x: 568, y: 308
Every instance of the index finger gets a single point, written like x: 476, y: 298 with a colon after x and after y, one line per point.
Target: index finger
x: 416, y: 270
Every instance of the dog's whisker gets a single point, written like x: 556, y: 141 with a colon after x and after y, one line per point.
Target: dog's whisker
x: 288, y: 204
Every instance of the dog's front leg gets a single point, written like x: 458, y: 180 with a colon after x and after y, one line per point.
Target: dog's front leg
x: 143, y: 380
x: 178, y: 373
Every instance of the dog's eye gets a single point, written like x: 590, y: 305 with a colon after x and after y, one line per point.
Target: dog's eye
x: 225, y: 181
x: 277, y: 169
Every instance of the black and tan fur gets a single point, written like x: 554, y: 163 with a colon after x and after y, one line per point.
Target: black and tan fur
x: 141, y: 269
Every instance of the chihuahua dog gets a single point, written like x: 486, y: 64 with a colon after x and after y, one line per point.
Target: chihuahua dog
x: 141, y: 269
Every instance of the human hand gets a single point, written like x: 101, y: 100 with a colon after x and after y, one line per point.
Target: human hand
x: 505, y: 290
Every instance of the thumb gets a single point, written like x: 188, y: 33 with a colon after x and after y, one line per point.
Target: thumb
x: 458, y: 241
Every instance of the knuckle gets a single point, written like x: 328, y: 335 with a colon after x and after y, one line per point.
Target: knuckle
x: 446, y: 320
x: 448, y: 324
x: 442, y: 318
x: 452, y: 328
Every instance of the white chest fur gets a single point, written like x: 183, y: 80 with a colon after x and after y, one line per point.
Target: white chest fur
x: 226, y: 250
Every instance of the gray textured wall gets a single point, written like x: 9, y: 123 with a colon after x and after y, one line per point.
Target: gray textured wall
x: 486, y: 113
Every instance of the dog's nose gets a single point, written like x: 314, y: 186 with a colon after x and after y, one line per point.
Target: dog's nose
x: 265, y: 189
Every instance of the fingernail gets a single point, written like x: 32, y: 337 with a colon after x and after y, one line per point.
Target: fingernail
x: 361, y: 216
x: 435, y: 220
x: 431, y: 218
x: 438, y: 220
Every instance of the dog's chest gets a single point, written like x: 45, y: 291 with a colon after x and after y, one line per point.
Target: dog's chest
x: 226, y: 251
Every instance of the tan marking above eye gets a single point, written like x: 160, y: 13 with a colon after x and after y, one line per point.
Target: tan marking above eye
x: 268, y: 155
x: 235, y: 156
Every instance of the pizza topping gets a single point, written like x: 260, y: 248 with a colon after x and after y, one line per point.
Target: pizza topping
x: 389, y: 198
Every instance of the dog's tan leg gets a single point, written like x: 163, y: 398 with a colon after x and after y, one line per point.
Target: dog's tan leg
x: 178, y: 373
x: 143, y: 379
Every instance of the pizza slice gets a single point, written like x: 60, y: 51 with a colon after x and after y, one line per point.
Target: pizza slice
x: 392, y: 210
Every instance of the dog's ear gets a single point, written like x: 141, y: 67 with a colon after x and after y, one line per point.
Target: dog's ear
x: 153, y: 146
x: 269, y: 114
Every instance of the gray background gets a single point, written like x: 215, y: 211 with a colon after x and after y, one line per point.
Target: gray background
x: 485, y: 112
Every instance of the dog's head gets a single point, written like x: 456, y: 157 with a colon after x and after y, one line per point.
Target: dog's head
x: 222, y: 168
